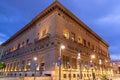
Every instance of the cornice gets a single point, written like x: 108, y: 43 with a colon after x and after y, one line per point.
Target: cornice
x: 55, y: 6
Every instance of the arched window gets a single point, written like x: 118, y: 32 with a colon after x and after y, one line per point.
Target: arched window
x: 79, y: 40
x: 66, y: 34
x: 43, y: 32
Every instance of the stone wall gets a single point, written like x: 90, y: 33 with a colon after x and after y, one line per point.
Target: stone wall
x: 26, y: 78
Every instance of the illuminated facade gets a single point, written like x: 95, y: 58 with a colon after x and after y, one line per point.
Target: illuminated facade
x: 116, y: 67
x: 42, y: 38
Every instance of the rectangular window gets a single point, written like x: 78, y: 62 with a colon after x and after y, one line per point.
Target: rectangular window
x: 66, y: 34
x: 14, y: 66
x: 74, y: 63
x: 18, y: 66
x: 23, y: 65
x: 28, y: 64
x: 65, y: 61
x: 43, y: 32
x: 74, y: 75
x: 89, y: 44
x: 64, y: 75
x: 11, y: 67
x: 73, y: 36
x: 84, y: 42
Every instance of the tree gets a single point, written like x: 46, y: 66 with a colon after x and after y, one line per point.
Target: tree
x: 2, y: 65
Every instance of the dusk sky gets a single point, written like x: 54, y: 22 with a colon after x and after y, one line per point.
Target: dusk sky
x: 102, y: 16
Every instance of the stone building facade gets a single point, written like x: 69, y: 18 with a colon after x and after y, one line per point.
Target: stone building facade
x: 42, y: 38
x: 116, y: 67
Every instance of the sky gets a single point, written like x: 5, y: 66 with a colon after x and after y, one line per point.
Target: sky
x: 102, y: 16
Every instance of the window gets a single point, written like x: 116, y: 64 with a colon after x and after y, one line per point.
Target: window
x: 14, y: 48
x: 89, y: 44
x: 65, y: 61
x: 74, y: 63
x: 14, y: 66
x: 10, y: 67
x: 73, y: 36
x: 64, y: 75
x: 22, y: 44
x: 66, y: 34
x: 74, y: 76
x: 42, y: 68
x: 27, y: 41
x: 18, y: 66
x: 69, y: 75
x: 43, y: 32
x: 28, y: 64
x: 79, y: 40
x: 92, y: 47
x: 23, y: 65
x: 84, y: 42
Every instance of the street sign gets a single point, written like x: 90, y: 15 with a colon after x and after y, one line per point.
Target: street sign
x: 36, y: 64
x: 59, y: 61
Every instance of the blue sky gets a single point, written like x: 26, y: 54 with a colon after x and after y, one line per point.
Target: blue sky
x: 102, y: 16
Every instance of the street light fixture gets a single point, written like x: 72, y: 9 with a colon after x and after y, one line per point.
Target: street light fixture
x: 92, y: 57
x: 35, y: 58
x: 35, y: 64
x: 59, y: 60
x: 79, y: 59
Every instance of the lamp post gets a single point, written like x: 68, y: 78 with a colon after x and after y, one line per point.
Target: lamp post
x: 59, y: 60
x: 35, y: 64
x: 91, y: 64
x: 79, y: 60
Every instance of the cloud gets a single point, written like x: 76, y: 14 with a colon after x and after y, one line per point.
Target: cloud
x: 1, y: 42
x: 110, y: 19
x: 115, y: 57
x: 2, y: 35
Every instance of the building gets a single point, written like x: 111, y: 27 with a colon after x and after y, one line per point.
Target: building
x: 42, y: 38
x: 116, y: 67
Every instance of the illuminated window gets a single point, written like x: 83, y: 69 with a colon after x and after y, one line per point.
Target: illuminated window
x: 14, y: 48
x: 14, y: 66
x: 64, y: 75
x: 43, y: 32
x: 42, y: 68
x: 28, y: 64
x: 18, y: 45
x: 73, y: 36
x: 10, y: 67
x: 66, y: 59
x: 18, y: 66
x: 79, y: 40
x: 66, y: 34
x: 7, y: 67
x: 74, y: 63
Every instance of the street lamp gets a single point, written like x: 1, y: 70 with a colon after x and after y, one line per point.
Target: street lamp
x: 59, y: 60
x: 79, y: 60
x: 91, y: 64
x: 35, y: 64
